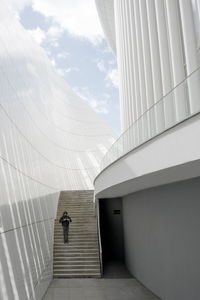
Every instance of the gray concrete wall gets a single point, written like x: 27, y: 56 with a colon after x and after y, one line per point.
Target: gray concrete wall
x: 162, y: 239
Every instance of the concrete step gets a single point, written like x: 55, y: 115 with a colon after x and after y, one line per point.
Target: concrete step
x: 77, y: 204
x: 76, y: 242
x: 79, y: 219
x: 76, y: 215
x: 76, y: 271
x: 76, y: 263
x: 79, y: 231
x: 76, y: 267
x: 77, y: 234
x: 82, y: 263
x: 78, y: 225
x: 66, y: 207
x: 72, y: 250
x: 94, y: 275
x: 69, y: 258
x: 76, y: 200
x: 81, y: 237
x: 71, y: 245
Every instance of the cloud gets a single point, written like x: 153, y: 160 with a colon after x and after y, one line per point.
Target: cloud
x: 68, y: 70
x: 99, y: 105
x: 63, y: 55
x: 52, y: 35
x: 19, y: 5
x: 113, y: 78
x: 78, y: 17
x: 38, y: 35
x: 101, y: 66
x: 53, y: 62
x: 63, y: 71
x: 55, y: 32
x: 112, y: 62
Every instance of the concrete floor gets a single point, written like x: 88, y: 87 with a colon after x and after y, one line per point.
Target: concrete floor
x: 98, y: 289
x: 115, y: 269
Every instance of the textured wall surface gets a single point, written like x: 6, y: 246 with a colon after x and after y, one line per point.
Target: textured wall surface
x: 50, y: 140
x: 157, y: 48
x: 162, y: 243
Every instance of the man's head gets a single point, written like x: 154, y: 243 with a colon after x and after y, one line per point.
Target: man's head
x: 65, y: 213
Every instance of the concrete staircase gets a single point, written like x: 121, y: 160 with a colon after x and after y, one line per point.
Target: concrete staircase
x: 80, y: 257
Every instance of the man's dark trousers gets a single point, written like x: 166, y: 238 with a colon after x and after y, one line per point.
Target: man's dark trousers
x: 65, y: 233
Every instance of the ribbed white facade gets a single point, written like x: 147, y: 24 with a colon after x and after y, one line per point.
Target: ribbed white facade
x: 156, y: 50
x: 50, y: 140
x: 154, y: 166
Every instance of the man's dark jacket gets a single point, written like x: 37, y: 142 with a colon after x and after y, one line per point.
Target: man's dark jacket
x: 65, y: 220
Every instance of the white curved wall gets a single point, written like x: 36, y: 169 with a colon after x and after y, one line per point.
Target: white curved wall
x: 171, y: 156
x: 107, y: 18
x: 50, y: 140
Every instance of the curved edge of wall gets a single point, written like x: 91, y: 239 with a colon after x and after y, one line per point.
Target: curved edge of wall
x: 107, y: 18
x: 172, y: 156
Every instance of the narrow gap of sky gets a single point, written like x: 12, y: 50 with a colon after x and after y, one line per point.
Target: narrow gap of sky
x: 71, y: 35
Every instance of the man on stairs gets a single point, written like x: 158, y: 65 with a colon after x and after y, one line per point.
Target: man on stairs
x: 65, y: 220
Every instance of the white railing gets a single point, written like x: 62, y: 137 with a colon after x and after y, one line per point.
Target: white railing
x: 181, y: 103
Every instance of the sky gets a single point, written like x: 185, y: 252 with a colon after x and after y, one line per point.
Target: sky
x: 71, y: 34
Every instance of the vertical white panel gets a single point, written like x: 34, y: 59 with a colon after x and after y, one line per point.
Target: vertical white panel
x: 156, y: 68
x: 127, y: 74
x: 190, y: 45
x: 133, y: 38
x: 134, y: 90
x: 120, y: 61
x: 169, y: 109
x: 147, y: 66
x: 142, y: 85
x: 177, y: 58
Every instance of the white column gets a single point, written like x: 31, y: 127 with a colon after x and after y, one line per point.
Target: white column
x: 143, y: 98
x: 190, y: 45
x: 124, y: 64
x: 133, y: 40
x: 177, y: 59
x: 128, y: 60
x: 120, y: 62
x: 155, y: 59
x: 131, y: 80
x: 169, y: 109
x: 147, y: 66
x: 140, y: 57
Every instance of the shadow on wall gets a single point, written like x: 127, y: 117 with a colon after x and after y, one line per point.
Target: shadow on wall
x: 26, y: 247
